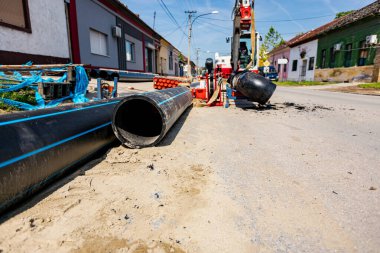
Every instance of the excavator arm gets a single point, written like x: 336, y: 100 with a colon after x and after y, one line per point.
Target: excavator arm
x: 243, y: 20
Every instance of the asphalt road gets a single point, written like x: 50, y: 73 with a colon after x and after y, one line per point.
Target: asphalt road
x: 300, y: 176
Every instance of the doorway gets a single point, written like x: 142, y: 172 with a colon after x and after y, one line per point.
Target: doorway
x: 303, y: 69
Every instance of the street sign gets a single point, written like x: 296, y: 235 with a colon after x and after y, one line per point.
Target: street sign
x: 266, y: 63
x: 266, y: 70
x: 282, y: 61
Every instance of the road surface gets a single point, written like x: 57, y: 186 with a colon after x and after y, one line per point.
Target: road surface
x: 300, y: 176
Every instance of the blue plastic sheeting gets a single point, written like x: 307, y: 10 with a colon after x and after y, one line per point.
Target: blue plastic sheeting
x: 79, y: 95
x: 24, y: 84
x: 81, y: 85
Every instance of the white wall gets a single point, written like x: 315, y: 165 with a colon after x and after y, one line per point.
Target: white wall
x: 311, y: 51
x: 49, y: 31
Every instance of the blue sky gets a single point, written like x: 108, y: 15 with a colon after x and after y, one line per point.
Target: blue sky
x: 210, y: 34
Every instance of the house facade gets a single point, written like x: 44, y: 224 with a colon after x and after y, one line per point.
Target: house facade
x: 168, y: 62
x: 302, y: 61
x: 26, y: 34
x: 281, y: 52
x: 117, y: 40
x: 347, y: 50
x: 98, y: 33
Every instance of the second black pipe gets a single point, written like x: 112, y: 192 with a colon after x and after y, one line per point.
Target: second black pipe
x: 142, y: 120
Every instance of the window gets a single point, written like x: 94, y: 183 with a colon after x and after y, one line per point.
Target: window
x: 285, y: 67
x: 363, y: 53
x: 131, y: 51
x: 294, y: 65
x: 15, y: 14
x: 311, y: 63
x: 171, y: 60
x: 279, y: 68
x: 323, y: 63
x: 348, y: 55
x: 98, y: 43
x: 332, y: 57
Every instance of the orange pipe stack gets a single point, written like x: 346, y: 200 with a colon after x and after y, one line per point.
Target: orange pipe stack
x: 161, y: 83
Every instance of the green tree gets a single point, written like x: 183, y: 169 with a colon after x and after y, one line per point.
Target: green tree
x: 272, y: 40
x: 343, y: 13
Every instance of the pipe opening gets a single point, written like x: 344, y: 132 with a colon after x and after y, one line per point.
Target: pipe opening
x: 138, y: 122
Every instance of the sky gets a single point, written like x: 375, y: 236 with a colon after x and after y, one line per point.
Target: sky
x: 289, y: 17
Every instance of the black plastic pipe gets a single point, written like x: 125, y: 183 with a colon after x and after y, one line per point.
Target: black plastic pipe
x: 255, y: 87
x: 142, y: 120
x: 36, y: 147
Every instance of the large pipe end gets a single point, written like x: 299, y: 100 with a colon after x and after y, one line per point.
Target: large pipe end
x: 138, y: 122
x: 257, y: 88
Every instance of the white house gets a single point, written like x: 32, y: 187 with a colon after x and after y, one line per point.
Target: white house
x: 302, y: 61
x: 33, y: 31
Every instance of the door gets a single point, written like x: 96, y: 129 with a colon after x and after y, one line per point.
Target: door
x: 303, y: 69
x: 149, y: 60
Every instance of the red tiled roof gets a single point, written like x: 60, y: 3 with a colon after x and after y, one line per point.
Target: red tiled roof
x: 279, y: 48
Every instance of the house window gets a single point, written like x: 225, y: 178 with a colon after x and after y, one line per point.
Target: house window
x: 311, y: 63
x: 332, y: 57
x: 15, y: 14
x: 98, y: 43
x: 285, y: 67
x: 294, y: 65
x: 348, y: 55
x: 171, y: 60
x: 323, y: 63
x: 363, y: 53
x: 131, y: 51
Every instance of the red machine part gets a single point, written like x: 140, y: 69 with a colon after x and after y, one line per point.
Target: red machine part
x: 245, y: 23
x: 204, y: 93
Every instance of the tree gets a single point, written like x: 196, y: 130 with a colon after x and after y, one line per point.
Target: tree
x: 272, y: 40
x: 343, y: 13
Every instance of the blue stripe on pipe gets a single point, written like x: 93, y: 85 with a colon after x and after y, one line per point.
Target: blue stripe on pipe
x: 167, y: 100
x: 35, y: 152
x: 19, y: 158
x: 72, y: 110
x: 55, y: 114
x: 37, y: 185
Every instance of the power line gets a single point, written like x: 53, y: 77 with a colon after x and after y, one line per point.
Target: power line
x: 176, y: 29
x: 223, y: 27
x: 169, y: 14
x: 279, y: 20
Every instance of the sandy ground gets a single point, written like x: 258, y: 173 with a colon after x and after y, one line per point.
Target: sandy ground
x: 300, y: 176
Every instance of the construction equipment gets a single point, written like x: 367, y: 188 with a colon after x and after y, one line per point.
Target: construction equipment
x: 242, y: 81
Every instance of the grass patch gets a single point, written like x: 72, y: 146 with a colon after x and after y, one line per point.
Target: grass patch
x: 26, y: 95
x: 370, y: 86
x: 302, y: 83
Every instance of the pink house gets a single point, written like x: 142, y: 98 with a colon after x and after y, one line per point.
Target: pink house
x: 280, y: 52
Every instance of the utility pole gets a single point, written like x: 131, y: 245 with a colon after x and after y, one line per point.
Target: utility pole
x: 154, y: 20
x: 198, y: 49
x: 189, y: 41
x: 253, y: 34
